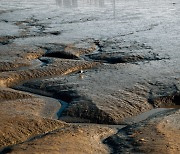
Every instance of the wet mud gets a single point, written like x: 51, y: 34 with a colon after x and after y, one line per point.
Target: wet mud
x: 89, y: 77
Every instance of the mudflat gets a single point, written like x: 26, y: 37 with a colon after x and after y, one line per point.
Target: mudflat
x: 89, y: 76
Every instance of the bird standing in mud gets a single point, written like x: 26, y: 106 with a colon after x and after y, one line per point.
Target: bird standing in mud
x: 81, y: 75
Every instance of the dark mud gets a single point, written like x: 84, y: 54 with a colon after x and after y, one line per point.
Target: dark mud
x: 58, y: 51
x: 124, y: 57
x: 80, y: 106
x: 83, y: 105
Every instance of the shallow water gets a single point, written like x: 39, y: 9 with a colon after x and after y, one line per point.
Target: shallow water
x: 64, y: 105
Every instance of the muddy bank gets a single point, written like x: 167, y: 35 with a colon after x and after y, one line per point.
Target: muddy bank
x: 106, y: 103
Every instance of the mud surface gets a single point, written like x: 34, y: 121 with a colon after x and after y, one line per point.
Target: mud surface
x: 89, y: 76
x: 138, y: 138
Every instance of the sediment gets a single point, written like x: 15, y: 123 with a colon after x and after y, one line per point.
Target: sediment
x: 80, y: 82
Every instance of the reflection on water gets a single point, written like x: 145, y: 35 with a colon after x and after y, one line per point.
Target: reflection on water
x: 67, y: 3
x: 87, y: 3
x: 114, y: 8
x: 77, y: 3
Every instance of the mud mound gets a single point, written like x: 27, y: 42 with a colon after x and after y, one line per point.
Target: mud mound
x: 106, y: 109
x: 39, y: 106
x: 59, y: 51
x: 69, y: 51
x: 10, y: 94
x: 9, y: 66
x: 104, y: 103
x: 69, y: 140
x: 15, y: 57
x: 13, y: 51
x: 96, y: 108
x: 24, y: 116
x: 159, y: 133
x: 16, y: 129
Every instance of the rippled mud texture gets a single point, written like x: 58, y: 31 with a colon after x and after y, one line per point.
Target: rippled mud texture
x: 57, y: 67
x: 67, y: 64
x: 14, y: 57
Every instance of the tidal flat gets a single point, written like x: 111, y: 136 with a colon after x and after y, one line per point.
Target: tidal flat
x: 90, y: 76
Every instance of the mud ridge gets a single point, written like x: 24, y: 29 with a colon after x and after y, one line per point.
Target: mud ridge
x: 115, y: 50
x: 30, y: 91
x: 9, y: 149
x: 124, y: 57
x: 73, y: 105
x: 58, y: 51
x: 125, y: 141
x: 16, y: 77
x: 69, y: 51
